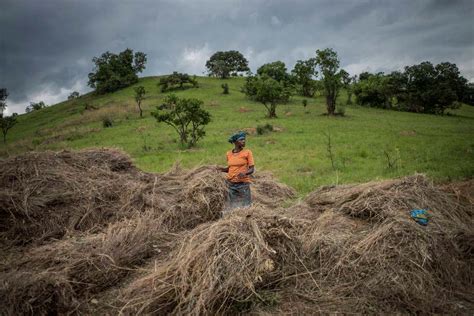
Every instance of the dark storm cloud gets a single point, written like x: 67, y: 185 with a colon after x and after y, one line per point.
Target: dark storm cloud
x: 46, y: 46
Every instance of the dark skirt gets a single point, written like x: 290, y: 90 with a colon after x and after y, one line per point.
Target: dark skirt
x: 239, y: 194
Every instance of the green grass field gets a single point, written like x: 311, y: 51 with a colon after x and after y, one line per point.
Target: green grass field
x: 362, y: 142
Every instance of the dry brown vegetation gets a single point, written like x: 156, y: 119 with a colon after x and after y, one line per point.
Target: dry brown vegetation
x: 88, y: 233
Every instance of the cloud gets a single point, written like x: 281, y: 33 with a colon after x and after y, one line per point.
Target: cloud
x: 47, y: 46
x: 193, y: 60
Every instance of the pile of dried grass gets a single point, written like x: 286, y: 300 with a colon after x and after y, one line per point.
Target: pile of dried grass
x: 80, y: 266
x: 373, y: 256
x: 45, y: 195
x: 351, y: 248
x: 217, y: 266
x: 266, y: 191
x: 200, y: 198
x: 377, y: 201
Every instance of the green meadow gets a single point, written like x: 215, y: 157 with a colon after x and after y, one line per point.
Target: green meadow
x: 366, y: 144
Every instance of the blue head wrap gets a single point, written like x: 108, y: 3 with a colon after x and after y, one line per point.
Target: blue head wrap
x: 236, y: 137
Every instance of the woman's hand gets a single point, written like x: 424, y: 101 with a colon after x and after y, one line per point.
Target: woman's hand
x: 222, y: 169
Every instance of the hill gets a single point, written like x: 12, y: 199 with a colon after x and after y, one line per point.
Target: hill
x: 367, y: 144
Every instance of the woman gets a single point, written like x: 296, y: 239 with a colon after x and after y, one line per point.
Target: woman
x: 240, y: 166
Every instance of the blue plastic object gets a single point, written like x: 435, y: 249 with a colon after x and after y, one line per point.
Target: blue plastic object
x: 420, y: 216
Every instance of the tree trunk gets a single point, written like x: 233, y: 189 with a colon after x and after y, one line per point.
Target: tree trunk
x: 140, y: 108
x: 272, y: 111
x: 349, y: 98
x: 331, y: 104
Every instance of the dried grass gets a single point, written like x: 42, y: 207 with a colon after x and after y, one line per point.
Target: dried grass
x: 217, y: 265
x: 82, y: 225
x: 45, y: 195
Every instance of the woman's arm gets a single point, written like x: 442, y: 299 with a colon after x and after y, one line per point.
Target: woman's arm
x: 250, y: 170
x: 223, y: 169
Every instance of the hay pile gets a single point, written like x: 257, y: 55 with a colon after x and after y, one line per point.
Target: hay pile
x: 160, y: 245
x: 45, y: 195
x: 217, y: 265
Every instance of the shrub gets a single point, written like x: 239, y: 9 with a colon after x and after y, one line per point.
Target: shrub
x: 341, y: 110
x: 73, y: 95
x: 225, y: 87
x: 107, y: 121
x: 176, y: 81
x: 263, y: 129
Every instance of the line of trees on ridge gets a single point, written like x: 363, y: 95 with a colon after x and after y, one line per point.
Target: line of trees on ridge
x: 424, y: 88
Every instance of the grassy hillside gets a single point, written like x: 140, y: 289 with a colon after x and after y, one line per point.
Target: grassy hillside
x: 362, y: 142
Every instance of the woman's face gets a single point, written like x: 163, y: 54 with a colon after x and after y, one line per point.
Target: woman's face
x: 240, y: 143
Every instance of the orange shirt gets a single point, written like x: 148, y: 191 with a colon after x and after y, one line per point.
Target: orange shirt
x: 239, y: 163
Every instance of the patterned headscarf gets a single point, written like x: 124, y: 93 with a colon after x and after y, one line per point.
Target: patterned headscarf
x: 236, y: 137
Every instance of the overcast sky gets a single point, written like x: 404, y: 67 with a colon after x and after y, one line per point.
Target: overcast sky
x: 47, y: 46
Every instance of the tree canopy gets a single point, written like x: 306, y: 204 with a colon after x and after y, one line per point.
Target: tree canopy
x: 421, y: 88
x: 113, y: 72
x: 275, y: 70
x: 225, y: 64
x: 304, y: 73
x: 35, y: 106
x: 186, y: 116
x: 267, y: 91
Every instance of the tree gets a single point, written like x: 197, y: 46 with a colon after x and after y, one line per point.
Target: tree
x: 304, y: 73
x: 3, y: 100
x: 186, y: 116
x: 35, y: 106
x: 346, y: 81
x: 374, y: 91
x: 364, y: 75
x: 267, y: 91
x: 350, y: 89
x: 139, y: 96
x: 176, y: 80
x: 73, y: 95
x: 275, y: 70
x: 431, y: 89
x: 423, y: 88
x: 468, y: 95
x: 224, y: 64
x: 329, y: 65
x: 113, y: 72
x: 6, y: 123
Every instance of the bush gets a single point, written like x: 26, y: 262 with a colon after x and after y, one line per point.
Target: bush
x: 107, y: 122
x: 264, y: 129
x: 73, y: 95
x: 35, y: 106
x: 341, y: 110
x: 176, y: 81
x: 225, y: 87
